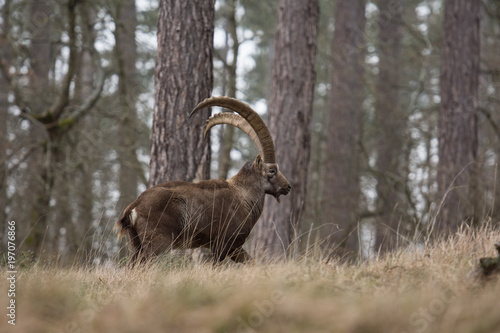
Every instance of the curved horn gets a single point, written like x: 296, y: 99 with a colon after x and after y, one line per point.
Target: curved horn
x: 251, y: 117
x: 236, y: 121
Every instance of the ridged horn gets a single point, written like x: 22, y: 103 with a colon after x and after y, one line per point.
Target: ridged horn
x: 236, y: 121
x: 252, y: 117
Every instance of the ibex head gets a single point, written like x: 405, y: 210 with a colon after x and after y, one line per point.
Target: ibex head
x: 273, y: 180
x: 249, y: 121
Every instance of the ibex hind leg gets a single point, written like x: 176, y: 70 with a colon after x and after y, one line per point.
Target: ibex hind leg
x: 135, y: 247
x: 145, y: 249
x: 236, y: 254
x: 151, y: 248
x: 135, y: 258
x: 219, y: 254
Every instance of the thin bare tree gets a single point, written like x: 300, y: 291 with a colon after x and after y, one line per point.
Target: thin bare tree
x: 128, y: 91
x: 458, y: 137
x: 341, y: 197
x: 390, y: 125
x: 227, y: 133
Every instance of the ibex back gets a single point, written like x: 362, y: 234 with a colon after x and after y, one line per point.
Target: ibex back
x: 218, y: 214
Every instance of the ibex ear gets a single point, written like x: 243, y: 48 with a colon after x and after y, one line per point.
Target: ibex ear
x: 258, y: 162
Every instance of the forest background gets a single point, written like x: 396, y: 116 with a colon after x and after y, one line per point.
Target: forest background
x: 396, y: 140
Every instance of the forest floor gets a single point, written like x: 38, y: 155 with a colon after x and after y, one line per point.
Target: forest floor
x: 429, y: 289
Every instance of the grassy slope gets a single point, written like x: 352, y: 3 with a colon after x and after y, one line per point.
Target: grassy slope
x: 408, y: 291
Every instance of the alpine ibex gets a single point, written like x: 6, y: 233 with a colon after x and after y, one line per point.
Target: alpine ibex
x: 218, y: 214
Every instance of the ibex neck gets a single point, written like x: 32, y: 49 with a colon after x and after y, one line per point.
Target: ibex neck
x: 248, y: 180
x: 248, y: 186
x: 250, y: 197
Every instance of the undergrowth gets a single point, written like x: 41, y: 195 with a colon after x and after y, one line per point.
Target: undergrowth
x: 424, y: 288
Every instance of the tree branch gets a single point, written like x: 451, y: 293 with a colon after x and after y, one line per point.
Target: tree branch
x: 63, y: 100
x: 76, y: 115
x: 18, y: 100
x: 91, y: 100
x: 487, y: 114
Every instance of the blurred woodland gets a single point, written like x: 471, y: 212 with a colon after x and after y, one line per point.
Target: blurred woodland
x: 385, y: 116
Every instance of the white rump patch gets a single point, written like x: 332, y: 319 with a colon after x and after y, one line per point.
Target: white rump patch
x: 133, y: 216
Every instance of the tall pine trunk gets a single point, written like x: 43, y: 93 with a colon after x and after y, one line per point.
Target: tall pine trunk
x: 290, y: 111
x: 458, y: 141
x: 390, y: 125
x: 183, y: 78
x: 80, y: 240
x: 341, y: 195
x: 126, y: 57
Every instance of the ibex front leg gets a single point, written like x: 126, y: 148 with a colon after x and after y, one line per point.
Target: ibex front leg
x: 241, y: 256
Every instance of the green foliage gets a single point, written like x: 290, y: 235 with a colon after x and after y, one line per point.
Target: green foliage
x: 24, y: 260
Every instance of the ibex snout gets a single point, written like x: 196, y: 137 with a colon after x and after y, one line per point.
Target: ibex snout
x: 284, y: 187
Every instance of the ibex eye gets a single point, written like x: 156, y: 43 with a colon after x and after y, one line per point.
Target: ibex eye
x: 272, y: 171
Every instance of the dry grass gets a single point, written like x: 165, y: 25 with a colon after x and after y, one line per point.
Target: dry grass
x: 424, y: 290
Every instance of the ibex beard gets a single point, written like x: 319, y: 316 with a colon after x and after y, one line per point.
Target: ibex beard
x: 217, y: 214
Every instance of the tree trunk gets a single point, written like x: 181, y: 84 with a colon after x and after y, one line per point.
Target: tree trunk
x: 54, y: 123
x: 183, y: 78
x: 41, y: 52
x: 39, y: 160
x: 390, y: 125
x: 341, y: 196
x: 227, y: 137
x: 126, y: 56
x: 80, y: 240
x: 458, y: 141
x: 290, y: 111
x: 4, y: 105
